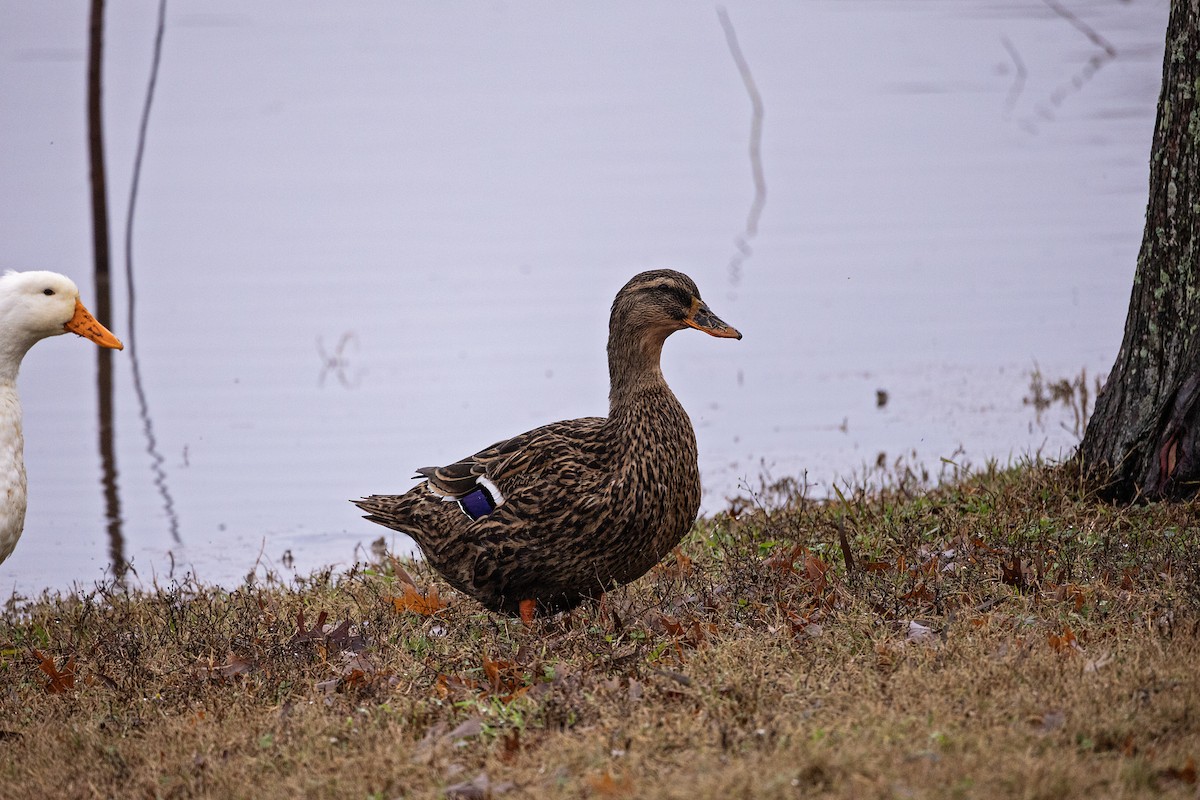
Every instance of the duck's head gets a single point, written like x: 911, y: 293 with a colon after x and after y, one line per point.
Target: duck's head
x: 36, y: 305
x: 657, y: 303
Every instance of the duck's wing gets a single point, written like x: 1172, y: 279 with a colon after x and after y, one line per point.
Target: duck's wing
x: 546, y: 453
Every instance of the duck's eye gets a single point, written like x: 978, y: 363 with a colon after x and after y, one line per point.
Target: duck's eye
x: 47, y: 292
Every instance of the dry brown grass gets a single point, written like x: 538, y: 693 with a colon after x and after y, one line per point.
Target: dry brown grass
x: 1005, y: 637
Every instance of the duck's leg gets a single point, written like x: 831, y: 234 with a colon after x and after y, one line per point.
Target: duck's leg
x: 528, y: 608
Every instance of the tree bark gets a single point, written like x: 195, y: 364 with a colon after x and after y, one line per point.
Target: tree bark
x: 1144, y: 436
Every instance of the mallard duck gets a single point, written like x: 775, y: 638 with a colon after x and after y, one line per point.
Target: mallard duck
x: 33, y: 306
x: 567, y: 511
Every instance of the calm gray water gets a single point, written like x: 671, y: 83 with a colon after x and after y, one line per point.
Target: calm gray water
x: 374, y: 236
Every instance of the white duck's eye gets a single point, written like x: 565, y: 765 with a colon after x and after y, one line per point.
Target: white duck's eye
x: 47, y: 292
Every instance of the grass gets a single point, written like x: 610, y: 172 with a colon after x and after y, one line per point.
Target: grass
x: 1005, y: 636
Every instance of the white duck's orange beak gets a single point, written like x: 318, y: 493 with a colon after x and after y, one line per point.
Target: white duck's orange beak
x: 84, y: 324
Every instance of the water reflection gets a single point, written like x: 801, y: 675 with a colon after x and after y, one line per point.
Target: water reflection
x: 103, y: 284
x: 108, y: 452
x: 742, y: 240
x: 156, y: 459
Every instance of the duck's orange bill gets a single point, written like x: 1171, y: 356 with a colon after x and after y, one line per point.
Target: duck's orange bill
x: 84, y: 324
x: 702, y: 318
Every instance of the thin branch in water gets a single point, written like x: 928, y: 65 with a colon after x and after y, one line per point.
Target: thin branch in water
x: 756, y: 123
x: 1082, y: 27
x: 1086, y: 72
x: 156, y: 459
x: 1018, y: 84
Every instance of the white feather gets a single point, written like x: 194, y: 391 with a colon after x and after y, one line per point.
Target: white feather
x: 27, y: 315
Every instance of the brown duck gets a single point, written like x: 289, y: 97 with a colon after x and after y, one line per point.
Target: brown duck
x: 569, y: 510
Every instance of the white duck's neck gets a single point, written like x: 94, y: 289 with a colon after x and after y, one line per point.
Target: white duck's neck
x: 12, y: 469
x: 13, y: 347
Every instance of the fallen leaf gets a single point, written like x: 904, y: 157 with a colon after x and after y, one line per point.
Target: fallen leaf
x: 605, y: 784
x: 505, y: 680
x: 680, y: 567
x: 342, y: 638
x: 426, y: 604
x: 510, y: 746
x: 1052, y: 720
x: 784, y: 559
x: 313, y: 634
x: 235, y: 665
x: 1186, y: 773
x: 400, y: 572
x: 1064, y: 642
x: 1015, y: 574
x: 466, y: 729
x: 60, y: 680
x: 425, y: 750
x: 479, y: 788
x: 919, y: 633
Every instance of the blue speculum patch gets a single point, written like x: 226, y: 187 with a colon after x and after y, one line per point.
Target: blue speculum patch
x: 477, y: 503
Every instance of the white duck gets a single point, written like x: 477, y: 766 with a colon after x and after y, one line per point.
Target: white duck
x: 33, y: 306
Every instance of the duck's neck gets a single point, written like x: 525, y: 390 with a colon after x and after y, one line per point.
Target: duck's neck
x: 12, y: 470
x: 13, y: 347
x: 633, y: 368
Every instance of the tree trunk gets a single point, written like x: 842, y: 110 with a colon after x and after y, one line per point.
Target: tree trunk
x: 1145, y: 433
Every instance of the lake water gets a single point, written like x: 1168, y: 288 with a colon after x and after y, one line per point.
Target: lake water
x: 373, y: 236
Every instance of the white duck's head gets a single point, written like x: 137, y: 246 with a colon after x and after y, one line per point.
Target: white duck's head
x: 36, y: 305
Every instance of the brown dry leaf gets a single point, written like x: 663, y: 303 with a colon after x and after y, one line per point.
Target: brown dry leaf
x: 679, y: 567
x: 352, y: 662
x: 466, y: 729
x: 426, y: 604
x: 815, y: 569
x: 491, y: 670
x: 60, y: 680
x: 480, y: 788
x: 510, y: 746
x: 400, y: 572
x: 1064, y: 642
x: 234, y: 665
x: 920, y: 593
x: 606, y: 785
x: 1186, y: 773
x: 342, y: 639
x: 1015, y: 574
x: 505, y: 680
x: 1052, y: 720
x: 315, y: 633
x: 784, y: 560
x: 1069, y: 593
x: 1127, y: 578
x: 447, y: 685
